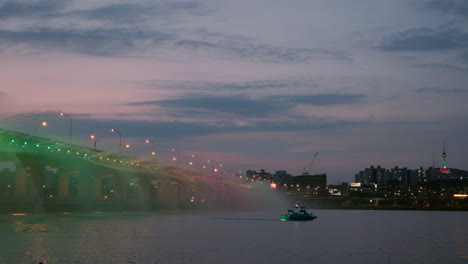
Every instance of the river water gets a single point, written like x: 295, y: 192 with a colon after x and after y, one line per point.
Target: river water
x: 337, y: 236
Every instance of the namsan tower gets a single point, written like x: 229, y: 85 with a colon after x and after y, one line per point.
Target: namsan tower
x: 444, y: 165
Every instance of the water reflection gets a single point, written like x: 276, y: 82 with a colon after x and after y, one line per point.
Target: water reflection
x: 461, y: 238
x: 338, y: 236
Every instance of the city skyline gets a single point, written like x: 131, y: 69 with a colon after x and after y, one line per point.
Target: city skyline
x: 362, y: 83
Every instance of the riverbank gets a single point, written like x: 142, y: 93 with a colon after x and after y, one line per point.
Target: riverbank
x: 380, y: 203
x: 41, y: 206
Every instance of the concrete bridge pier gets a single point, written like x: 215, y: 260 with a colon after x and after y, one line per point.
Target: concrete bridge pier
x: 86, y: 188
x: 63, y: 190
x: 144, y: 191
x: 29, y: 177
x: 21, y: 183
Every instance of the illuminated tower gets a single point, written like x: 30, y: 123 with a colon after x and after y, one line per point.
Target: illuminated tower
x: 444, y: 155
x: 444, y: 167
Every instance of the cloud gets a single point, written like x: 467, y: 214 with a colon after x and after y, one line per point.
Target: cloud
x: 425, y: 39
x: 439, y: 90
x: 242, y: 106
x: 305, y: 125
x: 97, y: 42
x: 118, y: 42
x: 262, y: 52
x: 232, y: 86
x: 179, y: 129
x: 133, y: 13
x: 440, y: 66
x: 236, y: 105
x: 456, y: 7
x: 116, y: 13
x: 325, y: 99
x: 44, y: 8
x: 174, y: 129
x: 464, y: 58
x: 124, y: 27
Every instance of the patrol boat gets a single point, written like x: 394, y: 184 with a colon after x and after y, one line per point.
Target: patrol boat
x: 297, y: 213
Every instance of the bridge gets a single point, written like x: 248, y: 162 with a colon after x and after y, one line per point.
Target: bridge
x: 54, y: 176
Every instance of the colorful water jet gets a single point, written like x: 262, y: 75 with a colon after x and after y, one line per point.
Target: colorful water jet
x: 53, y: 176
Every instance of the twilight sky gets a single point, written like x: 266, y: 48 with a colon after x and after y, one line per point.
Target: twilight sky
x: 250, y: 84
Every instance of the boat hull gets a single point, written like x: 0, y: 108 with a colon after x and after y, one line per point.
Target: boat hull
x: 297, y: 217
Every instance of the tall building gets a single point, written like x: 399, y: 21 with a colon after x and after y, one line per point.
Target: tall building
x: 423, y: 175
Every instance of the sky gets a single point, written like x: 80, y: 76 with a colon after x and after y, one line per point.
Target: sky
x: 250, y: 84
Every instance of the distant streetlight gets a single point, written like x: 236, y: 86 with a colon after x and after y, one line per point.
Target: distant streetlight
x: 71, y: 125
x: 93, y: 137
x: 120, y: 137
x: 153, y: 153
x: 43, y: 124
x: 174, y: 157
x: 212, y: 166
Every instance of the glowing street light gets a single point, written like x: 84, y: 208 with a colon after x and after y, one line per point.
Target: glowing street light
x: 212, y: 166
x: 175, y: 156
x: 153, y: 153
x: 93, y: 137
x: 120, y: 137
x: 43, y: 124
x: 71, y: 125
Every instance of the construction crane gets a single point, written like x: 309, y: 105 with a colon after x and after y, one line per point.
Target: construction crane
x: 307, y: 171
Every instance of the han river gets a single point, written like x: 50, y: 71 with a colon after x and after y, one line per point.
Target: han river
x: 232, y: 237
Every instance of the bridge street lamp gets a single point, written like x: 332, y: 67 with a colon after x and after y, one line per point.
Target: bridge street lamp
x: 153, y: 153
x: 195, y: 162
x: 93, y: 137
x: 127, y: 147
x: 212, y: 166
x: 43, y: 124
x: 71, y: 125
x: 120, y: 137
x: 174, y: 155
